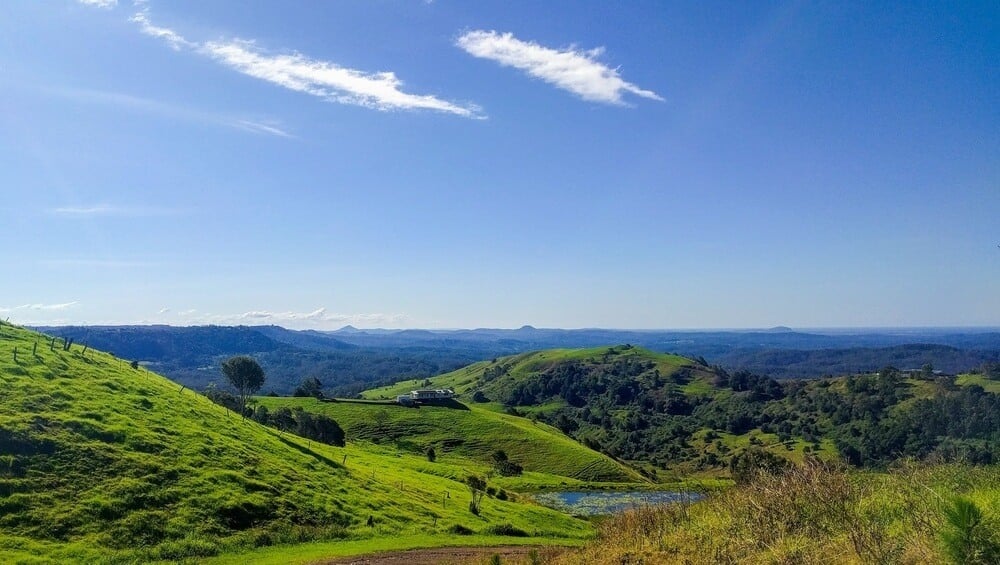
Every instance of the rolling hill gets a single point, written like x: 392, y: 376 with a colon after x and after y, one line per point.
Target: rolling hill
x: 682, y: 416
x: 467, y: 433
x: 103, y: 462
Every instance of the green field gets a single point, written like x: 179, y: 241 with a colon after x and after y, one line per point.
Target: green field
x: 987, y: 384
x: 464, y: 434
x: 100, y: 462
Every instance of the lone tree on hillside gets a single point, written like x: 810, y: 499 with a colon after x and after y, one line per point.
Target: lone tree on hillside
x: 246, y: 376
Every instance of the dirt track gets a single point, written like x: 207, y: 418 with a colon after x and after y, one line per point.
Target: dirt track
x: 441, y: 555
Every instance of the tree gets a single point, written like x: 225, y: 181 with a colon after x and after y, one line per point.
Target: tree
x: 477, y: 487
x: 310, y: 387
x: 504, y: 466
x: 927, y: 372
x: 382, y: 418
x: 246, y: 376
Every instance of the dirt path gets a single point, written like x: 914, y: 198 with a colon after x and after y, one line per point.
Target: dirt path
x: 441, y: 555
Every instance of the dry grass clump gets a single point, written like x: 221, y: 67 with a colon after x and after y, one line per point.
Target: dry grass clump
x: 813, y: 513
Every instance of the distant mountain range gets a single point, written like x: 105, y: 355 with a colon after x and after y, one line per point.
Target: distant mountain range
x: 349, y: 360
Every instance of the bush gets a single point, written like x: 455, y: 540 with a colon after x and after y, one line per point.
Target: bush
x: 751, y: 463
x: 459, y: 529
x: 505, y: 530
x: 968, y: 538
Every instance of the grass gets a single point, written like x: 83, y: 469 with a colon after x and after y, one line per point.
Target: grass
x: 100, y: 462
x: 313, y: 552
x: 463, y: 434
x: 468, y: 379
x: 981, y: 380
x: 793, y: 449
x: 816, y: 513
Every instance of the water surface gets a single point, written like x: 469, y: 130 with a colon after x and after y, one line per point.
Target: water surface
x: 583, y: 503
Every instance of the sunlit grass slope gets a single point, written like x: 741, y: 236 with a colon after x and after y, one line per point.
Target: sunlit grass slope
x: 466, y: 431
x: 468, y: 379
x: 100, y: 462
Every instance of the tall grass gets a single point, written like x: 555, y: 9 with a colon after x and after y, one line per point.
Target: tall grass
x: 817, y: 513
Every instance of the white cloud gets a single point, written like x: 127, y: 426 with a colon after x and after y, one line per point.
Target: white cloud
x: 571, y: 69
x: 172, y: 111
x: 326, y: 80
x: 99, y: 3
x: 43, y: 307
x: 96, y: 210
x: 174, y: 39
x: 294, y: 71
x: 316, y: 319
x: 96, y: 263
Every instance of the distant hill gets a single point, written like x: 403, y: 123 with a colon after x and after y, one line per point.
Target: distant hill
x: 349, y: 361
x: 191, y: 355
x: 797, y: 363
x: 100, y: 462
x: 682, y: 415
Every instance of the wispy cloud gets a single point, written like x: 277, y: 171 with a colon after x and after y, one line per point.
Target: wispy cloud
x: 43, y: 307
x: 174, y: 39
x: 570, y: 69
x: 99, y: 3
x: 316, y: 319
x: 319, y: 316
x: 173, y: 111
x: 381, y: 91
x: 96, y: 263
x: 96, y: 210
x: 294, y: 71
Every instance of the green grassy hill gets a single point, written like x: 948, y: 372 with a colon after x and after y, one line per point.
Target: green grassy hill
x: 667, y: 413
x: 499, y: 375
x: 460, y: 433
x: 100, y: 462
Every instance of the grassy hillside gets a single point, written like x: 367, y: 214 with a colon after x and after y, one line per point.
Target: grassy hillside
x: 103, y: 462
x: 466, y: 432
x: 668, y: 413
x: 500, y: 374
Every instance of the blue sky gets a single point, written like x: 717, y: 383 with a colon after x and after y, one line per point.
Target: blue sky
x: 493, y: 164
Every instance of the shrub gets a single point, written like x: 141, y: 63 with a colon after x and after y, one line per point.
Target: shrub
x: 506, y: 530
x: 459, y: 529
x: 752, y: 462
x: 968, y: 538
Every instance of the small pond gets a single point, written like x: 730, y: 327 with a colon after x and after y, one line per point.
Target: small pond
x: 598, y: 503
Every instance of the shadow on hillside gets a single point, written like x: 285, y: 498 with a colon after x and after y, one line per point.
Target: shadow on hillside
x: 444, y: 403
x: 281, y: 437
